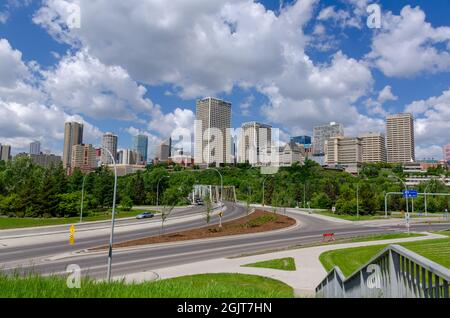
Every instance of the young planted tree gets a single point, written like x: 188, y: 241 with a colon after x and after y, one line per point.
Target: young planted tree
x: 208, y: 209
x: 165, y: 213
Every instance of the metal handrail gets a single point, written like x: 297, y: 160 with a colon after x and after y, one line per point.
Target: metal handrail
x: 404, y: 274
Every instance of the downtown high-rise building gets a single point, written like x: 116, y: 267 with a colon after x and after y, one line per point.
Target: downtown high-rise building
x: 343, y: 151
x: 140, y: 146
x: 109, y: 141
x: 302, y: 140
x: 400, y: 138
x: 373, y: 147
x: 73, y: 135
x: 164, y: 150
x: 322, y: 133
x: 213, y: 131
x: 83, y: 158
x: 254, y: 139
x: 35, y: 148
x: 5, y: 152
x: 447, y: 152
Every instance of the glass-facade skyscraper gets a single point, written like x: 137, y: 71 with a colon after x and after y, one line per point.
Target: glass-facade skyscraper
x: 302, y: 140
x: 140, y: 145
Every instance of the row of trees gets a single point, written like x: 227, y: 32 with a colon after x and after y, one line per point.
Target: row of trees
x: 32, y: 191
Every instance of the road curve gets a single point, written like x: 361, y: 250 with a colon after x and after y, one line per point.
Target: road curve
x: 169, y: 254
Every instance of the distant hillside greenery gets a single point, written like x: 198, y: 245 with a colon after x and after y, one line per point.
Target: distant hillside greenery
x: 27, y: 190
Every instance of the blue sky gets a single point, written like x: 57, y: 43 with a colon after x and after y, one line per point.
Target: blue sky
x: 139, y: 66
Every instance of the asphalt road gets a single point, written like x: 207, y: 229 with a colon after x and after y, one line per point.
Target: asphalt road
x: 39, y: 243
x: 38, y: 257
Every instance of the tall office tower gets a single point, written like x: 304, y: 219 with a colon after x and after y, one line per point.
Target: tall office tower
x: 5, y: 152
x: 212, y: 131
x: 35, y: 148
x: 322, y: 133
x: 165, y: 150
x: 400, y: 138
x: 374, y: 147
x: 447, y: 152
x: 83, y: 158
x: 73, y: 135
x: 140, y: 145
x: 253, y: 139
x: 302, y: 140
x: 343, y: 151
x: 130, y: 157
x: 109, y: 142
x: 119, y: 158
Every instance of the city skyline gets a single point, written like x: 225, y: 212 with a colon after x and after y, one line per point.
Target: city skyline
x: 356, y: 83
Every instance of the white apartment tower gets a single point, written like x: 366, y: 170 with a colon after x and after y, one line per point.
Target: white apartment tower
x: 109, y: 142
x: 400, y: 138
x: 254, y: 138
x: 374, y: 147
x: 213, y: 131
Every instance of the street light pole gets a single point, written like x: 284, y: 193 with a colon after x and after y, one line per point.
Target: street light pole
x: 425, y: 194
x: 82, y: 199
x: 357, y: 200
x: 406, y: 197
x: 221, y: 184
x: 263, y: 187
x: 111, y: 238
x: 157, y: 189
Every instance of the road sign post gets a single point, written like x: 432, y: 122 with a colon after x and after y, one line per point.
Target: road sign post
x: 72, y: 235
x: 220, y: 218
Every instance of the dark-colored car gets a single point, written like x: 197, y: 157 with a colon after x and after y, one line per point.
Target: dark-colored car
x: 145, y: 215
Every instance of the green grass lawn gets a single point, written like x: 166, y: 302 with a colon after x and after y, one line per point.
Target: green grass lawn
x: 197, y: 286
x: 285, y: 264
x: 350, y: 259
x: 350, y: 217
x: 12, y: 223
x: 380, y: 237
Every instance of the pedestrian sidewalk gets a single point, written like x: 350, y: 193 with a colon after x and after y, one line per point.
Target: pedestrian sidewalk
x: 304, y: 280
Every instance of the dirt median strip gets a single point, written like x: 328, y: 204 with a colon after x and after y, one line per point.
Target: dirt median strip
x: 257, y: 222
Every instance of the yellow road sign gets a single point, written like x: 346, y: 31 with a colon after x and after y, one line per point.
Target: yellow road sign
x: 72, y: 235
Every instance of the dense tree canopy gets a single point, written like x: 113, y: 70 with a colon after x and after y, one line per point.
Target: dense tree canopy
x: 27, y: 190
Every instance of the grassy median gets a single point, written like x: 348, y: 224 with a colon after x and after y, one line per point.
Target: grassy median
x: 196, y: 286
x: 350, y: 259
x: 285, y: 264
x: 16, y: 223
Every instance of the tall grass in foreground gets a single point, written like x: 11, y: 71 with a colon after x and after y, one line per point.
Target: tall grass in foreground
x: 197, y: 286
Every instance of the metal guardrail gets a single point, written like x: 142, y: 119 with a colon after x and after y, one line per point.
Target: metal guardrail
x: 395, y: 272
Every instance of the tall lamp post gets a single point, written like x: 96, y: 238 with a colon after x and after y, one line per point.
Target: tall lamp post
x: 263, y: 187
x: 425, y: 194
x: 221, y: 184
x: 111, y: 238
x: 406, y: 188
x: 157, y: 189
x: 82, y: 199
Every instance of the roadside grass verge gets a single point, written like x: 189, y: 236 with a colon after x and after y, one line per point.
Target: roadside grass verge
x: 350, y: 259
x: 196, y: 286
x: 285, y: 264
x: 15, y: 223
x: 349, y: 217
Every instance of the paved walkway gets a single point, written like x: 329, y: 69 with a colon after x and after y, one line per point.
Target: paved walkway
x: 308, y: 275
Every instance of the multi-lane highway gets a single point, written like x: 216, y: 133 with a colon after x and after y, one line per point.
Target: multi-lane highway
x: 51, y: 253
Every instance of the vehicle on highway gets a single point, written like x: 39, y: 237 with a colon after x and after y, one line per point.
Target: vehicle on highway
x: 145, y: 215
x: 199, y: 202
